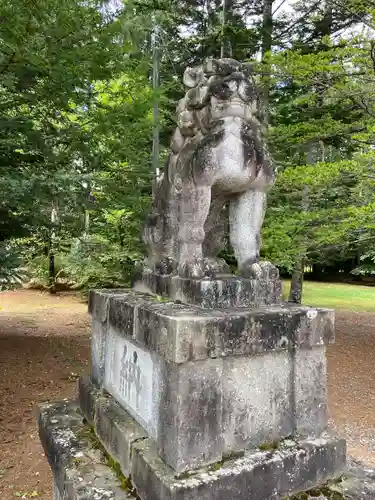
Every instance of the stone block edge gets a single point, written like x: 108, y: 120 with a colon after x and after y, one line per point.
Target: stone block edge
x: 258, y: 474
x: 181, y: 333
x: 114, y: 427
x: 150, y: 473
x: 77, y: 465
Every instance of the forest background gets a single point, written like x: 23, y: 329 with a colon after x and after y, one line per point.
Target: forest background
x: 76, y: 128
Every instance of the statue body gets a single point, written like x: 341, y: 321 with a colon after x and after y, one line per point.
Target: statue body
x: 218, y: 160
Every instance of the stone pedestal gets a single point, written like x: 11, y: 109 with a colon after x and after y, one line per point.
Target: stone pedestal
x: 224, y: 291
x: 226, y: 401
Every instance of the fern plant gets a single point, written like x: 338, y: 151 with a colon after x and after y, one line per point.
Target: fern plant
x: 12, y: 274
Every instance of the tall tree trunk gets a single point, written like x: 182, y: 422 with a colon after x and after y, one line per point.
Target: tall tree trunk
x: 86, y: 211
x: 267, y: 27
x: 296, y: 285
x: 51, y: 254
x: 51, y: 270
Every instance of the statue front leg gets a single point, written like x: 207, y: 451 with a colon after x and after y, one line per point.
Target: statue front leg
x: 215, y: 235
x: 194, y: 208
x: 246, y: 214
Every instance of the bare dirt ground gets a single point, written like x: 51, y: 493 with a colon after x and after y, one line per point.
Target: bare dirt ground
x: 45, y: 345
x: 351, y: 383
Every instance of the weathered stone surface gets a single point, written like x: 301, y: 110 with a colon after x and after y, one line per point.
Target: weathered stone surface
x: 223, y: 292
x: 257, y: 404
x: 259, y: 475
x: 190, y: 423
x: 117, y: 431
x: 88, y: 395
x: 79, y: 470
x: 212, y: 408
x: 115, y: 428
x: 80, y: 473
x: 98, y: 301
x: 56, y: 493
x: 358, y: 482
x: 268, y: 379
x: 179, y: 405
x: 310, y: 391
x: 98, y: 307
x: 181, y: 333
x: 134, y: 376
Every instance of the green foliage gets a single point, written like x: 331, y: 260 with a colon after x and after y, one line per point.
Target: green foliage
x: 38, y: 270
x: 11, y: 273
x: 66, y: 110
x: 95, y: 262
x: 339, y: 217
x: 76, y: 129
x: 367, y: 266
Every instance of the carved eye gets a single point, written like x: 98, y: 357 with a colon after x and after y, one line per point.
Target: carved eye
x: 221, y: 90
x: 246, y: 91
x: 178, y: 182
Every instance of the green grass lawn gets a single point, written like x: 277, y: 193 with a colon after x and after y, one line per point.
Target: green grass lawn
x: 337, y: 295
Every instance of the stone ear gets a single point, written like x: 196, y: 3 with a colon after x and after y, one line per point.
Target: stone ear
x: 247, y: 68
x: 246, y: 91
x: 193, y: 76
x: 210, y: 66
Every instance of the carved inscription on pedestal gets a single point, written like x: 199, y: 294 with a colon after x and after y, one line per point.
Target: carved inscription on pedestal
x: 132, y: 378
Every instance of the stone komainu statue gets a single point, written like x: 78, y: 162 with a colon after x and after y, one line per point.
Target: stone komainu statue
x: 218, y: 159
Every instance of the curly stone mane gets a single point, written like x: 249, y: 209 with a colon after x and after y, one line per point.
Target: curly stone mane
x: 217, y: 159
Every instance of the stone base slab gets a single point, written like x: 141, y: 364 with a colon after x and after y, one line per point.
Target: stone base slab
x: 78, y: 467
x: 79, y: 470
x: 258, y: 475
x: 230, y: 291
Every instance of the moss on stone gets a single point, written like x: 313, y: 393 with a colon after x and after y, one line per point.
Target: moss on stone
x: 184, y: 475
x: 213, y: 467
x: 89, y: 434
x: 160, y: 298
x: 125, y: 482
x: 278, y: 444
x: 233, y: 455
x: 269, y: 446
x: 216, y: 465
x: 329, y: 490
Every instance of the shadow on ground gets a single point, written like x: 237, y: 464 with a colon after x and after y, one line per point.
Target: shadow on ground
x: 45, y: 346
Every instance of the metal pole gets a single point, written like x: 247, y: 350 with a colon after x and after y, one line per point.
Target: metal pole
x: 223, y: 31
x: 155, y: 86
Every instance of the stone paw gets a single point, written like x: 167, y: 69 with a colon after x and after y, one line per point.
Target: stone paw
x: 214, y: 266
x: 201, y: 268
x: 261, y: 270
x: 191, y: 268
x: 165, y: 266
